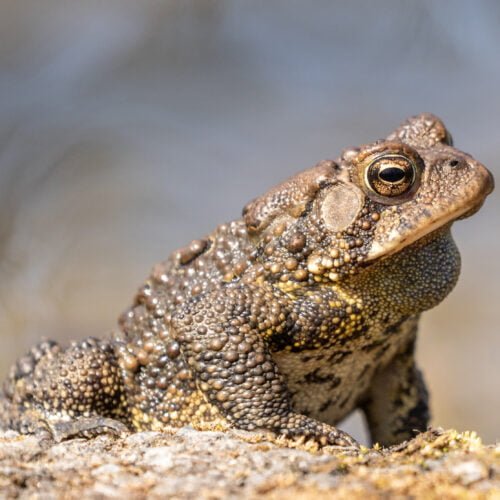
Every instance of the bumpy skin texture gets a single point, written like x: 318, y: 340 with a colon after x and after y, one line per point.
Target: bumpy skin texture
x: 285, y: 320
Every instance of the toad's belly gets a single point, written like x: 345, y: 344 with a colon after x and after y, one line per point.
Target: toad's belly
x: 328, y: 383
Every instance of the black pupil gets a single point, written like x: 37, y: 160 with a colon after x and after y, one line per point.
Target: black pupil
x: 392, y: 174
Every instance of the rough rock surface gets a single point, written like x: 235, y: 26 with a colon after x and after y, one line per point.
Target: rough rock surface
x: 193, y: 464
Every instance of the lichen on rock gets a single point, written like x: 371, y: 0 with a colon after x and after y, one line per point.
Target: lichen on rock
x: 210, y: 465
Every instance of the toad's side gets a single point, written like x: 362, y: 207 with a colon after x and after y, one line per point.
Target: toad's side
x: 284, y: 320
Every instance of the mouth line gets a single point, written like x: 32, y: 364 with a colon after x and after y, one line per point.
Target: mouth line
x: 444, y: 222
x: 475, y: 208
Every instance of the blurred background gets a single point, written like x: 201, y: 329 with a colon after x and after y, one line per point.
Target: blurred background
x: 128, y: 128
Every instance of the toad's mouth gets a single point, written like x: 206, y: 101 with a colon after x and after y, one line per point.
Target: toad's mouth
x: 471, y: 211
x: 396, y: 242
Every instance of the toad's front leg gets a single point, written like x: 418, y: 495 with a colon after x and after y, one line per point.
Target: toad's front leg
x: 223, y: 339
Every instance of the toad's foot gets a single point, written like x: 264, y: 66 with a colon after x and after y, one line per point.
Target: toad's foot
x: 301, y: 427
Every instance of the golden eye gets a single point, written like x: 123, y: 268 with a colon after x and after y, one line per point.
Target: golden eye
x: 391, y: 175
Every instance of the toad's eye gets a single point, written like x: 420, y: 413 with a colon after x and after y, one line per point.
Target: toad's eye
x: 391, y: 175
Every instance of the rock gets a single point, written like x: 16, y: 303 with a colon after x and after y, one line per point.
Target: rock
x: 210, y: 465
x: 469, y: 471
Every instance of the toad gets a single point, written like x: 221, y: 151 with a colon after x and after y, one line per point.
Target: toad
x: 286, y: 319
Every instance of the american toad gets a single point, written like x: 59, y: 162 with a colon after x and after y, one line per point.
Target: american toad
x: 286, y: 319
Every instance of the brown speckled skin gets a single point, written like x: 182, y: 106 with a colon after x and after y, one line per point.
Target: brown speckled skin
x: 284, y: 320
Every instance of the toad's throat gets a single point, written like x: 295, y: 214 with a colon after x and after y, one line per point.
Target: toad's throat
x: 419, y: 276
